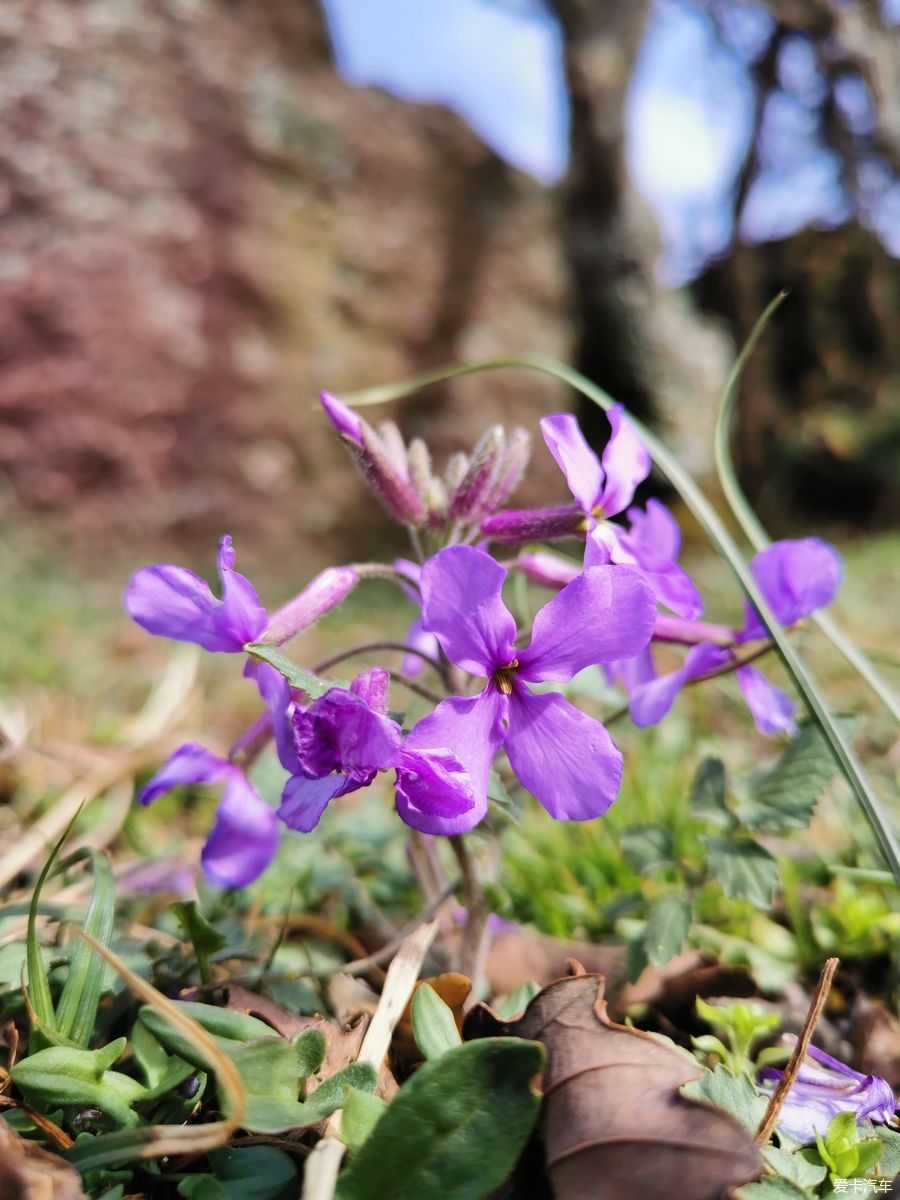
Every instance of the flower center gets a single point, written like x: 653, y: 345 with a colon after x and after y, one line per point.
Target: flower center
x: 503, y: 677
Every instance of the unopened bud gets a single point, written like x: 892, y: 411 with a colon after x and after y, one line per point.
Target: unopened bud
x: 533, y: 524
x: 419, y: 458
x: 344, y: 419
x: 394, y: 489
x: 455, y: 471
x: 482, y: 470
x: 510, y: 472
x: 394, y: 448
x: 324, y: 593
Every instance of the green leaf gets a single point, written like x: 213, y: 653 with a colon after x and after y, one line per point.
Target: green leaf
x: 297, y: 676
x: 516, y: 1002
x: 784, y: 798
x: 707, y: 798
x: 433, y: 1023
x: 195, y: 929
x: 309, y: 1049
x: 230, y: 1029
x: 790, y: 1164
x: 455, y: 1129
x: 150, y: 1055
x: 254, y: 1172
x: 668, y: 922
x: 889, y: 1163
x: 746, y: 870
x: 360, y: 1115
x: 772, y: 1187
x: 269, y: 1074
x: 39, y: 995
x: 60, y: 1075
x: 646, y: 846
x: 735, y: 1093
x: 76, y: 1012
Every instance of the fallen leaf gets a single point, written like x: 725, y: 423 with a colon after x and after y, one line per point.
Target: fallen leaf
x: 29, y: 1173
x: 615, y: 1126
x: 521, y: 955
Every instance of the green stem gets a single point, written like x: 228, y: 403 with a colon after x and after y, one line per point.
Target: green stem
x: 722, y: 542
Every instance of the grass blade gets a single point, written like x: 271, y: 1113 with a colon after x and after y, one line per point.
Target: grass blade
x: 722, y: 542
x: 80, y: 999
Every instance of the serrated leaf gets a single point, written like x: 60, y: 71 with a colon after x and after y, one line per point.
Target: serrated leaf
x: 668, y: 922
x: 434, y: 1026
x: 707, y: 798
x: 297, y: 676
x: 790, y: 1164
x: 359, y: 1116
x: 784, y: 798
x: 746, y: 870
x: 736, y: 1094
x: 76, y: 1011
x: 454, y: 1130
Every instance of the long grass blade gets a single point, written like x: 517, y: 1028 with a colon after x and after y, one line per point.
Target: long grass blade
x: 753, y: 528
x: 725, y: 546
x: 76, y: 1011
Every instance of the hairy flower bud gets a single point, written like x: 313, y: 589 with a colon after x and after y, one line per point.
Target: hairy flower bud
x: 419, y: 458
x: 480, y: 475
x: 533, y: 524
x: 324, y: 593
x: 344, y: 419
x: 509, y: 473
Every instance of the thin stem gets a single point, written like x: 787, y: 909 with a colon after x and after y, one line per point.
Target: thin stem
x: 475, y: 931
x: 373, y: 647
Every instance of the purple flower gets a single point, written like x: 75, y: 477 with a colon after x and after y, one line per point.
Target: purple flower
x: 416, y: 637
x: 244, y: 838
x: 565, y: 758
x: 345, y: 738
x: 173, y: 602
x: 822, y: 1091
x: 796, y: 578
x: 329, y: 588
x: 603, y: 488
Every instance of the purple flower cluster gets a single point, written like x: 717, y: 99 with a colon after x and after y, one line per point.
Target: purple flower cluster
x: 495, y: 675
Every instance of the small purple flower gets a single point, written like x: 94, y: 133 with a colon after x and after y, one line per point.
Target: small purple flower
x: 796, y: 578
x: 416, y: 637
x: 244, y: 838
x: 345, y: 738
x: 603, y: 488
x: 822, y: 1091
x: 566, y: 759
x: 173, y: 602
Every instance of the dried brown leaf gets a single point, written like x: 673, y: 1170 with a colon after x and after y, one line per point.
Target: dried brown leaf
x: 29, y: 1173
x: 522, y: 955
x: 615, y: 1125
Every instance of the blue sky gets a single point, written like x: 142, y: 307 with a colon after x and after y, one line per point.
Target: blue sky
x: 498, y: 63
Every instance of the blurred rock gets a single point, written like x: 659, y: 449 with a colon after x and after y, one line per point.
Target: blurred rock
x: 204, y: 225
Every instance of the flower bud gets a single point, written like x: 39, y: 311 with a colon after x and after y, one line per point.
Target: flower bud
x: 533, y: 524
x: 510, y: 472
x: 547, y: 570
x: 324, y: 593
x: 344, y: 419
x: 480, y: 475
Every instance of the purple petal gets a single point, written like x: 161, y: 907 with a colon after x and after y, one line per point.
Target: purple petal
x: 626, y: 463
x: 601, y: 543
x: 632, y: 673
x: 190, y: 763
x: 344, y: 419
x: 244, y: 838
x: 566, y: 759
x: 533, y: 524
x: 340, y: 732
x: 771, y: 708
x: 372, y: 687
x: 462, y: 606
x: 304, y: 800
x: 650, y: 702
x: 671, y: 585
x: 604, y: 614
x: 472, y: 731
x: 240, y: 613
x: 437, y: 779
x: 796, y: 578
x: 690, y: 633
x: 277, y: 697
x: 655, y: 526
x: 547, y: 570
x: 575, y: 458
x: 320, y: 596
x: 170, y: 601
